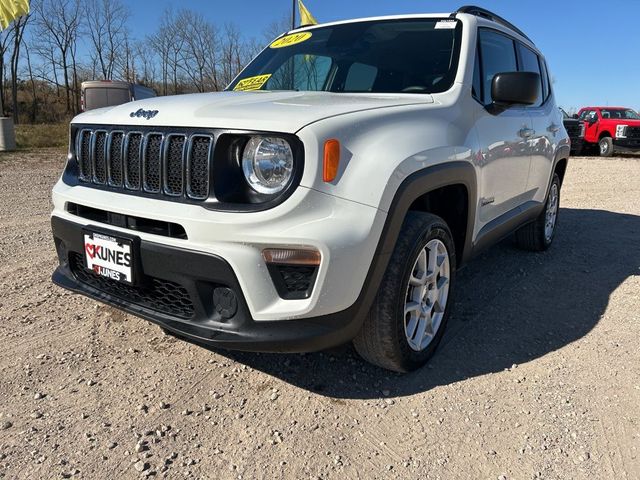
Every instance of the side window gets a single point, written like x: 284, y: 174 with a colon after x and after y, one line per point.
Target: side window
x: 529, y: 62
x: 360, y: 78
x: 498, y: 56
x: 476, y: 90
x: 546, y: 84
x: 588, y: 114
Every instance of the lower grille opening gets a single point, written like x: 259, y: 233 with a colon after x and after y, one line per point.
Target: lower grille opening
x: 139, y: 224
x: 293, y: 282
x: 159, y: 295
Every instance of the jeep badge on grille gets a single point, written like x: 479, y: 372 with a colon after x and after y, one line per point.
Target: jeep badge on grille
x: 148, y: 114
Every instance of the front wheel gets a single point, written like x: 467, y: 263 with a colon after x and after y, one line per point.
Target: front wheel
x: 606, y: 146
x: 411, y: 308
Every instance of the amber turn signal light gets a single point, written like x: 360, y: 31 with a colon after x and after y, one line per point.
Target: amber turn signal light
x: 291, y: 256
x: 331, y: 160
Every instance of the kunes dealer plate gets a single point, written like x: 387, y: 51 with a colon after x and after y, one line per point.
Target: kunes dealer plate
x: 108, y: 256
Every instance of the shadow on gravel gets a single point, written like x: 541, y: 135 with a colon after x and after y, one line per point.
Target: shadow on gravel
x: 511, y: 307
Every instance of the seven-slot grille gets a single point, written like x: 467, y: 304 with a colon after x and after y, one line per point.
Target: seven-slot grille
x: 171, y: 164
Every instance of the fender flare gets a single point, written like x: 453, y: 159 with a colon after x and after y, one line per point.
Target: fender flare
x: 562, y: 153
x: 411, y: 188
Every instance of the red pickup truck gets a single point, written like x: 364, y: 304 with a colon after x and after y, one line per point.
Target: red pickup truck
x: 611, y: 129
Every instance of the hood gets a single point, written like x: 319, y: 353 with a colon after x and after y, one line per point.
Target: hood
x: 285, y: 112
x: 631, y: 123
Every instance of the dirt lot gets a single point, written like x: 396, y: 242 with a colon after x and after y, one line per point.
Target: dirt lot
x: 538, y: 375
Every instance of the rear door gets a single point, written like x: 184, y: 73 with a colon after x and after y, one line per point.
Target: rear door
x: 547, y: 126
x: 504, y: 135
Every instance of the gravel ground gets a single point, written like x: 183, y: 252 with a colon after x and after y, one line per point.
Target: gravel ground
x: 538, y: 375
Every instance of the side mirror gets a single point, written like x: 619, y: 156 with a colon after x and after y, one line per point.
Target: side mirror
x: 515, y: 88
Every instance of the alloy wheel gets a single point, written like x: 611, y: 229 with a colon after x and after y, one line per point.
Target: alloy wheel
x: 427, y: 294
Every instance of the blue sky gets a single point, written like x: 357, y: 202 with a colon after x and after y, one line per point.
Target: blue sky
x: 591, y: 47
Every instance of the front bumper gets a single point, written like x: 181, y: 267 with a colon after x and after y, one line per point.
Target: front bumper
x: 345, y: 233
x: 197, y: 275
x: 627, y: 144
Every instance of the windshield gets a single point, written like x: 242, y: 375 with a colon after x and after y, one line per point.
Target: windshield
x: 389, y: 56
x: 620, y: 114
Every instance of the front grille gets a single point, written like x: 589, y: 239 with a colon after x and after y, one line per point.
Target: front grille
x: 100, y: 158
x: 174, y: 173
x: 633, y: 133
x: 574, y: 130
x: 115, y: 154
x: 152, y: 161
x: 158, y: 163
x: 159, y: 295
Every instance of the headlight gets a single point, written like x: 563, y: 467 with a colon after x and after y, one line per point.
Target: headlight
x: 621, y: 131
x: 267, y: 163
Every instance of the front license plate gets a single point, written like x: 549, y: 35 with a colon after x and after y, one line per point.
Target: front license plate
x: 108, y: 256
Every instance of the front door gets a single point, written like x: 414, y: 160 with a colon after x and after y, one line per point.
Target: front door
x: 505, y: 135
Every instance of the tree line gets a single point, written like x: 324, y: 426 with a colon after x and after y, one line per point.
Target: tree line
x: 45, y: 56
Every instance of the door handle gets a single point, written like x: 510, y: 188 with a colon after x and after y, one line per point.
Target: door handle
x: 526, y: 132
x: 553, y: 128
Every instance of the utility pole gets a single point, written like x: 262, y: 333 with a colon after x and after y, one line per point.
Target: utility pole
x: 293, y: 14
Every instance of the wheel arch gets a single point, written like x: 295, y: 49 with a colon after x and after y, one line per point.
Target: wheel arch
x: 451, y: 203
x: 429, y: 190
x: 604, y: 134
x: 561, y: 168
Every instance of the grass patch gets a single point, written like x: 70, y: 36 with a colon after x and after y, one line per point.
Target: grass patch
x: 42, y: 135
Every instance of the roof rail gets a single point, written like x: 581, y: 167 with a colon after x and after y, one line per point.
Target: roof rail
x: 483, y: 13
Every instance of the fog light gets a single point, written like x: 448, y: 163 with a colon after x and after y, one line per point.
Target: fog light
x: 290, y: 256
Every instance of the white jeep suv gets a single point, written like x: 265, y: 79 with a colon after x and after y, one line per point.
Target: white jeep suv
x: 328, y: 195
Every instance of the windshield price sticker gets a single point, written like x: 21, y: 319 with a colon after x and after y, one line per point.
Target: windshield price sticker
x: 446, y: 24
x: 252, y: 83
x: 108, y: 257
x: 292, y: 39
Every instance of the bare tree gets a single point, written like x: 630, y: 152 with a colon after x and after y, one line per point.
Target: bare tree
x: 277, y: 28
x: 19, y: 26
x: 32, y: 85
x: 233, y: 57
x: 148, y: 65
x: 6, y: 36
x: 161, y: 42
x: 106, y: 22
x: 126, y: 61
x: 198, y: 57
x: 58, y: 23
x: 186, y: 53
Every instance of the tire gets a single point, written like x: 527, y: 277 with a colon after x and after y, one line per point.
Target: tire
x: 383, y: 340
x: 535, y: 236
x: 606, y: 146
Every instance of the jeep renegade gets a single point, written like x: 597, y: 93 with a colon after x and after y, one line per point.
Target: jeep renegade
x: 328, y: 195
